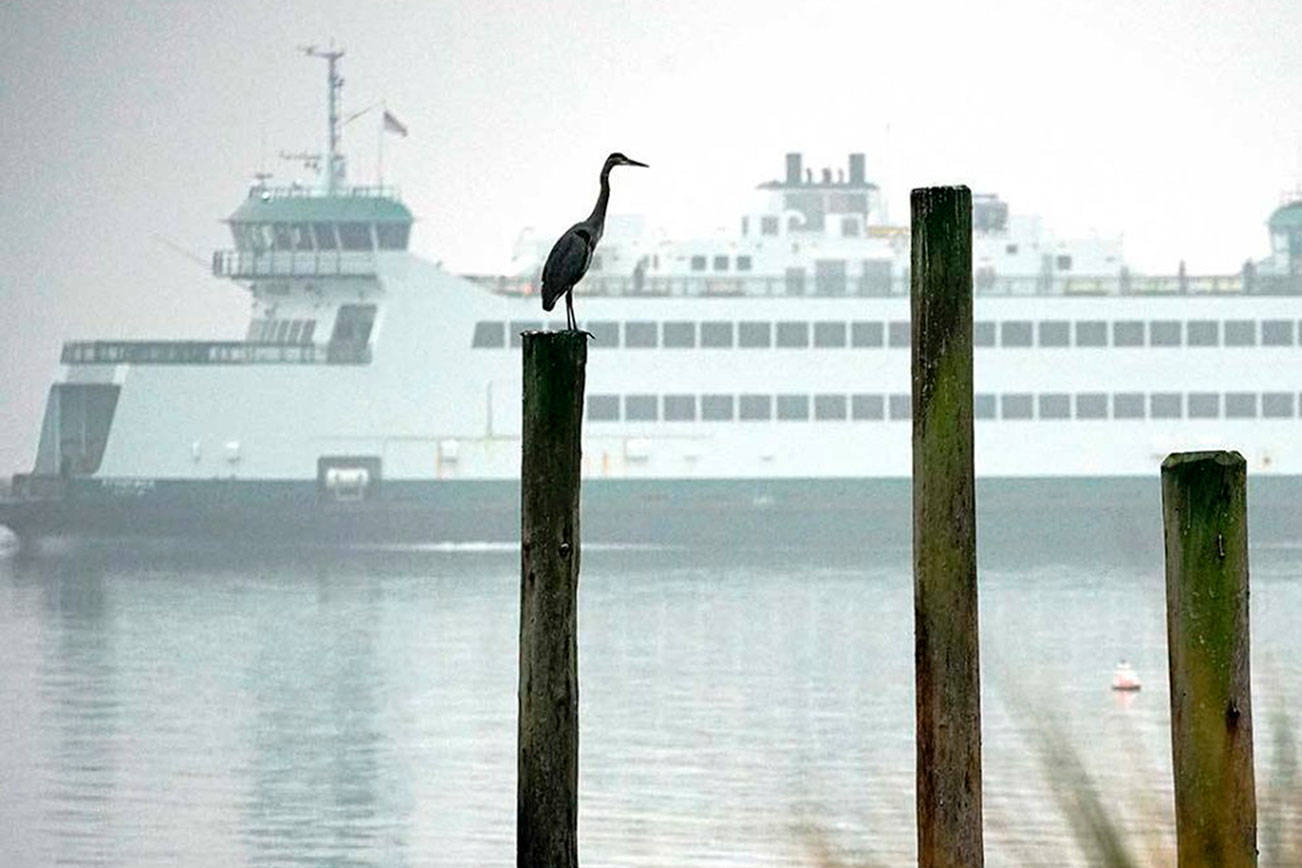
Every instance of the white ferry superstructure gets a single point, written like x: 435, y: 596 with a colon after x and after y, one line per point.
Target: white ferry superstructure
x: 377, y: 396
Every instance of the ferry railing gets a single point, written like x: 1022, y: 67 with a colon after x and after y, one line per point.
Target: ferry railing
x: 293, y: 263
x: 211, y: 353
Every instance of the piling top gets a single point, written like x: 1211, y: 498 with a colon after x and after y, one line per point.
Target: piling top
x: 1225, y: 458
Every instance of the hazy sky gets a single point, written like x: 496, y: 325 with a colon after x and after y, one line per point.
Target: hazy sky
x: 128, y: 124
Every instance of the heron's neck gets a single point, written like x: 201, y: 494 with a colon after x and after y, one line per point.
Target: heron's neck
x: 598, y: 216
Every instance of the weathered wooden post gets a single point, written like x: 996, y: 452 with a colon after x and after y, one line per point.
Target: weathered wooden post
x: 946, y: 664
x: 1205, y: 518
x: 548, y: 728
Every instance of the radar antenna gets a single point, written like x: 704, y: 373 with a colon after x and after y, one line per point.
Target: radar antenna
x: 334, y: 161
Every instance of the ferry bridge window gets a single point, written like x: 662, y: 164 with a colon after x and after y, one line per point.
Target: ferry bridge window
x: 1240, y: 405
x: 743, y: 263
x: 1164, y: 333
x: 1091, y: 405
x: 1011, y: 249
x: 295, y: 329
x: 716, y: 408
x: 1055, y: 333
x: 829, y: 277
x: 325, y: 236
x: 282, y: 331
x: 983, y: 333
x: 716, y: 334
x: 983, y: 406
x: 698, y: 263
x: 754, y: 407
x: 768, y: 225
x: 1165, y: 405
x: 1203, y: 333
x: 1128, y: 333
x: 1015, y: 406
x: 752, y: 335
x: 1091, y: 333
x: 309, y: 326
x: 355, y: 236
x: 794, y: 281
x: 489, y: 335
x: 793, y: 335
x: 829, y: 334
x: 640, y: 408
x: 1015, y: 334
x: 680, y: 408
x: 901, y: 406
x: 257, y: 328
x: 720, y: 263
x: 867, y: 407
x: 899, y: 333
x: 866, y: 334
x: 1055, y: 406
x: 353, y: 324
x: 1240, y: 333
x: 603, y: 408
x: 680, y: 335
x: 1277, y: 333
x: 793, y: 408
x: 829, y: 406
x: 1277, y: 405
x: 849, y: 227
x: 1128, y: 405
x: 522, y: 325
x: 1064, y: 263
x: 640, y: 335
x: 392, y: 236
x: 1204, y: 405
x: 280, y: 233
x: 605, y: 334
x: 302, y: 234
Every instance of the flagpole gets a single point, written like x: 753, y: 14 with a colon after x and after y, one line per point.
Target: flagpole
x: 379, y: 148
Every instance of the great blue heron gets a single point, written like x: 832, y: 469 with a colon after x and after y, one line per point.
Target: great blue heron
x: 572, y: 252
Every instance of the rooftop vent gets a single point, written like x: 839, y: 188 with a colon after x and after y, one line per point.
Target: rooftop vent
x: 793, y: 168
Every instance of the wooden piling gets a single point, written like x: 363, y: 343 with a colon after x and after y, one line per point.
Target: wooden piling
x: 946, y: 664
x: 1204, y: 515
x: 548, y: 723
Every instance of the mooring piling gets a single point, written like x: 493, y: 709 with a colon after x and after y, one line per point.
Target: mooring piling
x: 946, y: 664
x: 1204, y: 517
x: 548, y: 724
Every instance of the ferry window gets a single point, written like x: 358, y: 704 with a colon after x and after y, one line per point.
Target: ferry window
x: 1091, y: 333
x: 793, y: 334
x: 392, y: 236
x: 522, y: 325
x: 867, y: 407
x: 1164, y: 333
x: 745, y: 225
x: 680, y: 408
x: 353, y: 323
x: 983, y: 334
x: 1277, y: 333
x: 720, y: 263
x: 295, y: 329
x: 793, y: 408
x: 1165, y: 405
x: 1015, y: 334
x: 680, y: 334
x: 309, y: 326
x: 1240, y: 405
x: 1064, y: 263
x: 1128, y: 405
x: 698, y: 263
x: 1128, y: 333
x: 743, y: 263
x: 1011, y: 249
x: 829, y: 334
x: 639, y: 334
x: 489, y: 335
x: 1277, y: 405
x: 751, y: 335
x: 1055, y: 333
x: 302, y: 233
x: 325, y: 236
x: 1091, y: 405
x: 1055, y: 406
x: 716, y: 334
x: 256, y: 329
x: 280, y: 232
x: 899, y: 333
x: 716, y: 408
x: 1015, y: 406
x: 901, y: 406
x: 1203, y: 333
x: 282, y: 331
x: 1240, y: 333
x: 768, y: 225
x: 829, y: 277
x: 829, y: 406
x: 866, y: 334
x: 355, y: 236
x: 640, y: 408
x: 755, y: 407
x: 603, y: 408
x: 849, y: 227
x: 1204, y: 405
x: 983, y: 406
x: 605, y: 334
x: 794, y: 281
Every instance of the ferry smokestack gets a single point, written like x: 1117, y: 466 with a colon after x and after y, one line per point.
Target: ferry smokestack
x: 857, y: 169
x: 793, y: 168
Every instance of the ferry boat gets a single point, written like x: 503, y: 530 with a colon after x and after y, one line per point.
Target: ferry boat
x: 760, y: 376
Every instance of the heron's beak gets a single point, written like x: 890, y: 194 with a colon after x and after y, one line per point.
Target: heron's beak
x: 628, y: 162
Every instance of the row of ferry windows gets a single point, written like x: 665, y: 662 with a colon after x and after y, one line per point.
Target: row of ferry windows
x: 985, y: 333
x: 1083, y: 405
x: 260, y: 237
x: 281, y: 331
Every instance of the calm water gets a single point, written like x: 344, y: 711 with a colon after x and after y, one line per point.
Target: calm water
x: 212, y: 707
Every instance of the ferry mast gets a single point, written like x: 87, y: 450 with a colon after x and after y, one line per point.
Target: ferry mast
x: 334, y: 161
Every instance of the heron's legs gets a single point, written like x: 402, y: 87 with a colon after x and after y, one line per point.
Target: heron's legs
x: 569, y: 311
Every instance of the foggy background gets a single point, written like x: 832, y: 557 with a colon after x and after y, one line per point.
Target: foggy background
x: 129, y: 126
